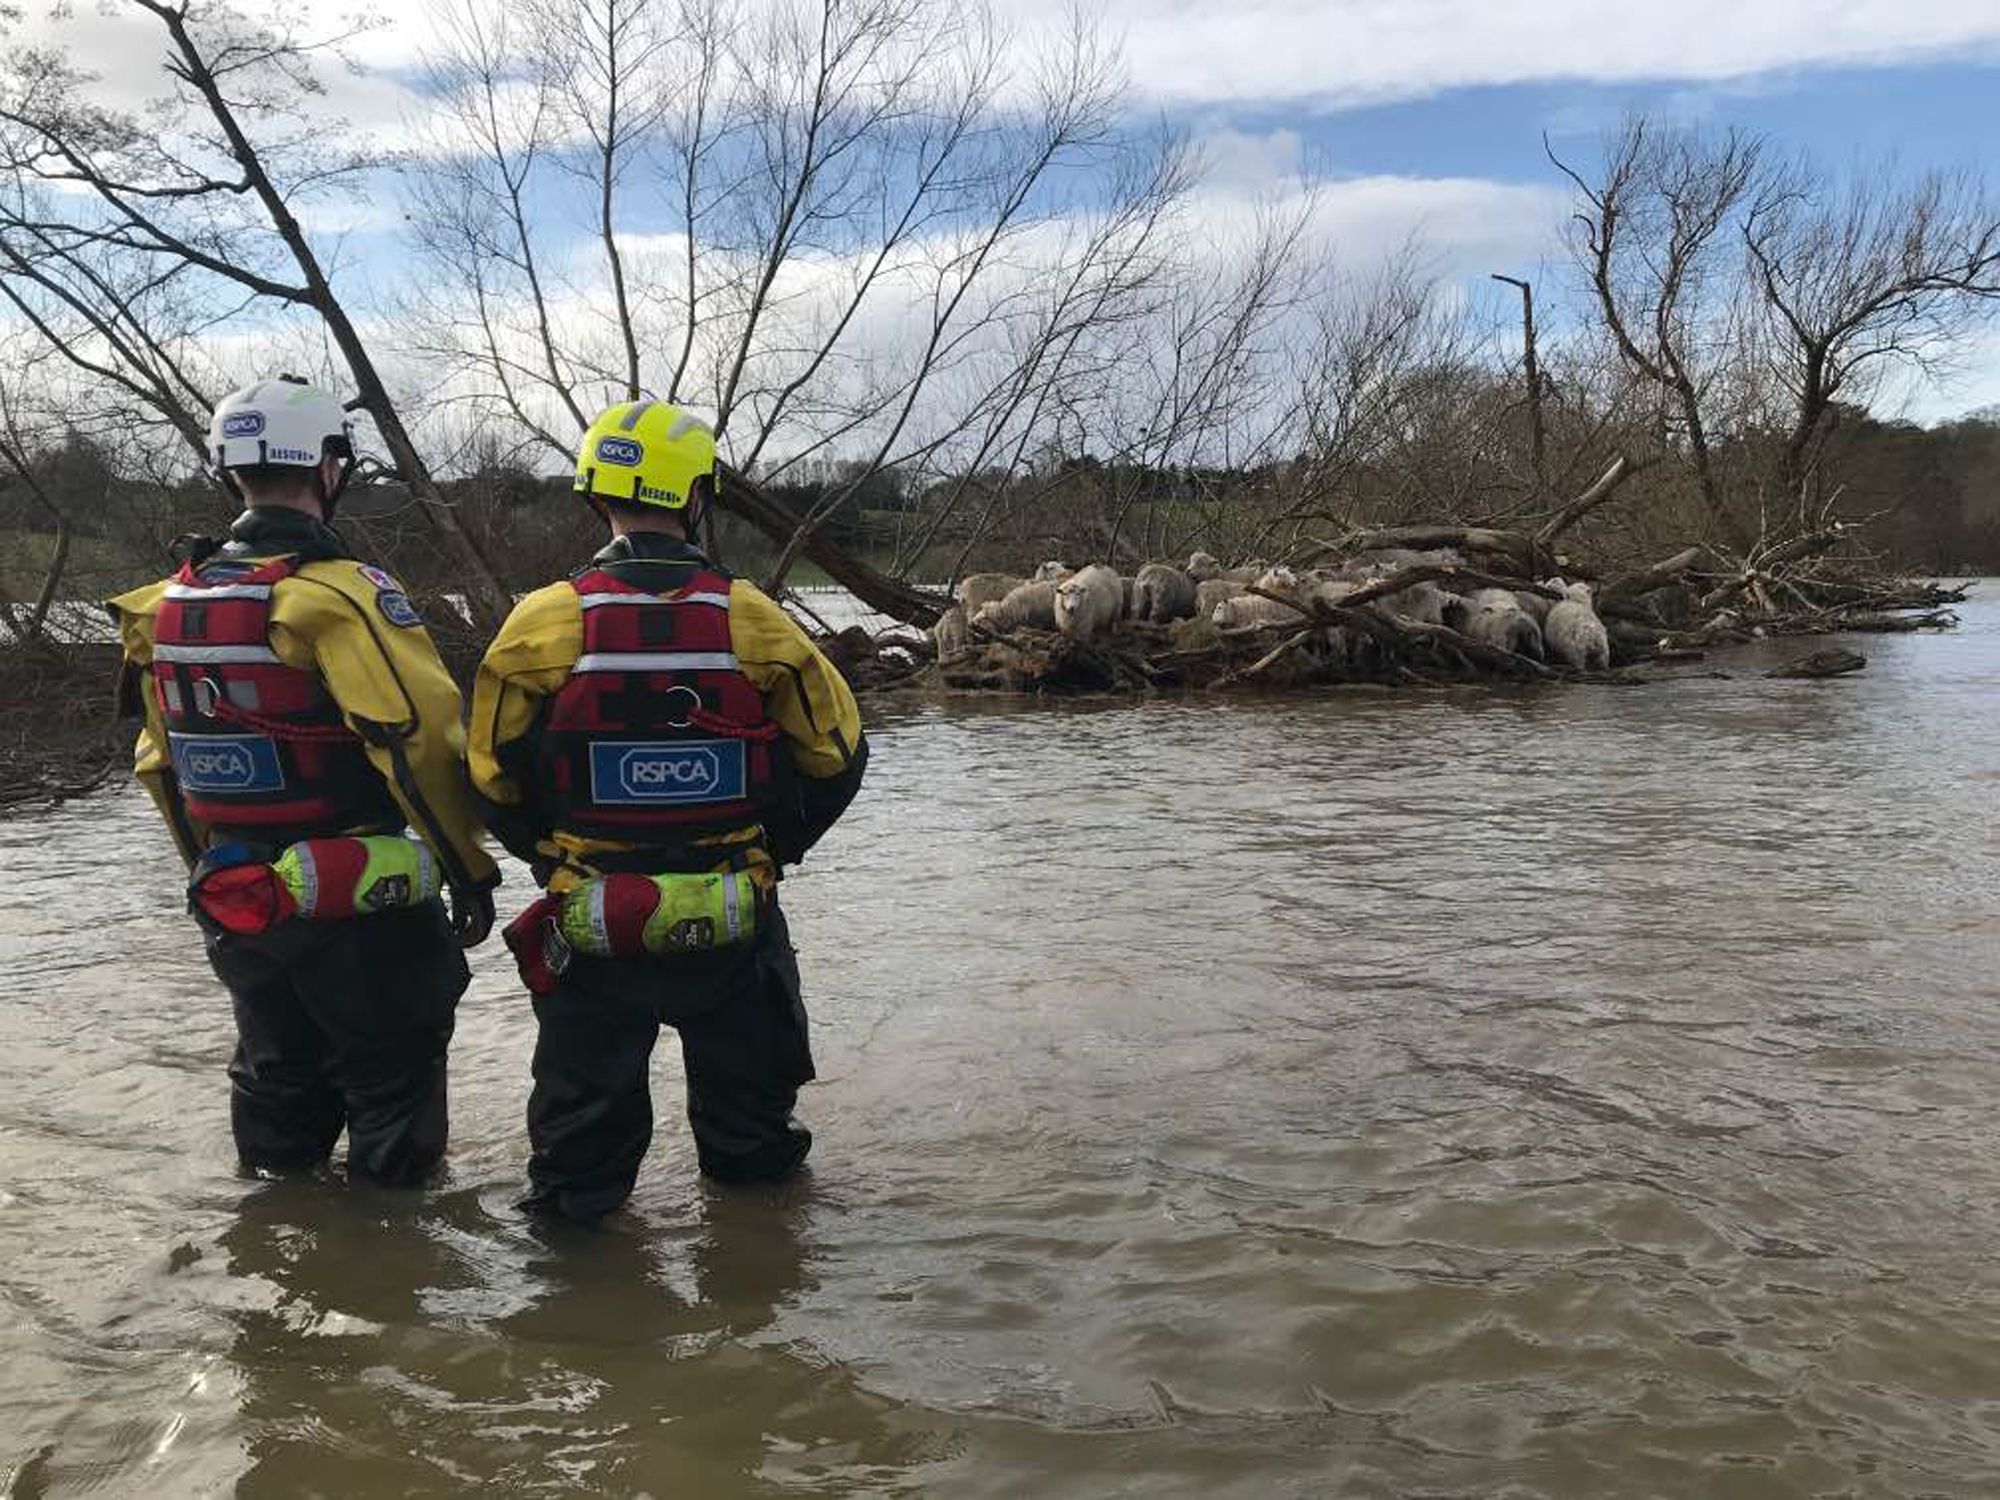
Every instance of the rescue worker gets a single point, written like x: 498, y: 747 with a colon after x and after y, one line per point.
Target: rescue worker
x: 297, y: 720
x: 658, y: 740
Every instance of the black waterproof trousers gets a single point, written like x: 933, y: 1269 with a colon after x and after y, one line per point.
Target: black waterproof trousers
x: 343, y: 1024
x: 743, y: 1045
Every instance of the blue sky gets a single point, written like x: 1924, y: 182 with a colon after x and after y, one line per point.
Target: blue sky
x: 1426, y: 115
x: 1938, y: 114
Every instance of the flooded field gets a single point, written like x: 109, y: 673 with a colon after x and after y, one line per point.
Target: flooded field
x: 1562, y: 1092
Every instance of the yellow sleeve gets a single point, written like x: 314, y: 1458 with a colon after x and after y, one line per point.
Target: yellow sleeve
x: 134, y: 613
x: 803, y: 692
x: 356, y: 629
x: 529, y: 660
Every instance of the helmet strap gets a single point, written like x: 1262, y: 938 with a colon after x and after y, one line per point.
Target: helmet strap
x: 330, y: 498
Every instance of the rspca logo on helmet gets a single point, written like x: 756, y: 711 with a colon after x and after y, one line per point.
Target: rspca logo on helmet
x: 224, y: 763
x: 621, y: 451
x: 629, y: 774
x: 244, y: 424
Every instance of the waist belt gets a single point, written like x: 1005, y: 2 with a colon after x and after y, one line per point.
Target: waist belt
x: 625, y: 916
x: 241, y: 891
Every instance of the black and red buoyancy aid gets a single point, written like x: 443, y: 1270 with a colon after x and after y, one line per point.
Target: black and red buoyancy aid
x: 256, y: 744
x: 658, y: 737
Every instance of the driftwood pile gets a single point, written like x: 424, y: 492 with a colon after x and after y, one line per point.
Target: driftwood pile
x: 1341, y: 612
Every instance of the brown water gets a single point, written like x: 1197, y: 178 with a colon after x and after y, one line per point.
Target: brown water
x: 1574, y: 1092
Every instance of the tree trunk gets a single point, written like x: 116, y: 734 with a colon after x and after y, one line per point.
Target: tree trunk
x: 778, y: 521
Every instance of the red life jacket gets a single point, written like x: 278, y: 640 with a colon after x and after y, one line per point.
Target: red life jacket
x: 658, y: 738
x: 256, y: 744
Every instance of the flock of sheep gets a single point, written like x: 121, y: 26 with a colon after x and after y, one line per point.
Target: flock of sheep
x: 1555, y: 623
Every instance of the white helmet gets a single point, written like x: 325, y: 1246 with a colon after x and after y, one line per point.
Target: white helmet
x: 283, y: 422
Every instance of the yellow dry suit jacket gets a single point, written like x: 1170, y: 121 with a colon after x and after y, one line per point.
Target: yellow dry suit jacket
x: 530, y: 661
x: 352, y: 627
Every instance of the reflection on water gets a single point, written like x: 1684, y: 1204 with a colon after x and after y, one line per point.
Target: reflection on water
x: 1533, y: 1092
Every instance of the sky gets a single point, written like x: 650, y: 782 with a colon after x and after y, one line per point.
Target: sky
x: 1422, y: 116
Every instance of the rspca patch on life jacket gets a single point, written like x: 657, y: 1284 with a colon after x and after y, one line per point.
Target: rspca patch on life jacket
x: 638, y: 773
x: 390, y: 600
x: 224, y: 763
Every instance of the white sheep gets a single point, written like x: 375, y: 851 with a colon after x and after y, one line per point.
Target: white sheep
x: 977, y: 590
x: 1031, y: 606
x: 1332, y: 590
x: 1575, y: 635
x: 1162, y: 594
x: 1537, y: 604
x: 949, y: 634
x: 1211, y: 592
x: 1511, y: 628
x: 1255, y: 609
x: 1201, y: 567
x: 1089, y: 603
x: 1247, y: 574
x: 1052, y: 572
x: 1422, y: 601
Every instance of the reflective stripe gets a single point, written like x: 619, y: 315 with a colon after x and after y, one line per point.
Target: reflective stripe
x: 600, y: 935
x: 308, y: 868
x: 592, y: 601
x: 729, y: 900
x: 685, y: 423
x: 639, y: 409
x: 219, y: 591
x: 171, y: 692
x: 224, y: 654
x: 656, y: 661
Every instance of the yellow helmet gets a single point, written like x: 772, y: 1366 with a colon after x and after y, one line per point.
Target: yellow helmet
x: 644, y: 453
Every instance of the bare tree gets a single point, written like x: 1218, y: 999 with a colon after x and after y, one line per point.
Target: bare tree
x: 1654, y: 239
x: 212, y: 182
x: 1861, y: 278
x: 880, y: 194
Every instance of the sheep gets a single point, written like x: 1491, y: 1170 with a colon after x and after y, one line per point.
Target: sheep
x: 1332, y: 590
x: 949, y: 634
x: 1510, y: 628
x: 1162, y: 594
x: 1278, y: 580
x: 1201, y: 567
x: 1247, y: 574
x: 1422, y: 601
x: 1386, y: 560
x: 1254, y: 609
x: 1052, y: 572
x: 1089, y: 603
x: 1492, y: 599
x: 1211, y: 592
x: 1496, y: 617
x: 1031, y: 606
x: 1574, y: 633
x: 1538, y: 605
x: 977, y: 590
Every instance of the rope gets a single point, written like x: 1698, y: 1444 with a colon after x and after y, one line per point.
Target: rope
x: 701, y: 718
x: 279, y: 729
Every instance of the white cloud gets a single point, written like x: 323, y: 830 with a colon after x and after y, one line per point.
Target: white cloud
x: 1343, y: 52
x: 1471, y: 225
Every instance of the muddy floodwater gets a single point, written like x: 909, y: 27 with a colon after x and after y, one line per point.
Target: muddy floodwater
x: 1567, y: 1092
